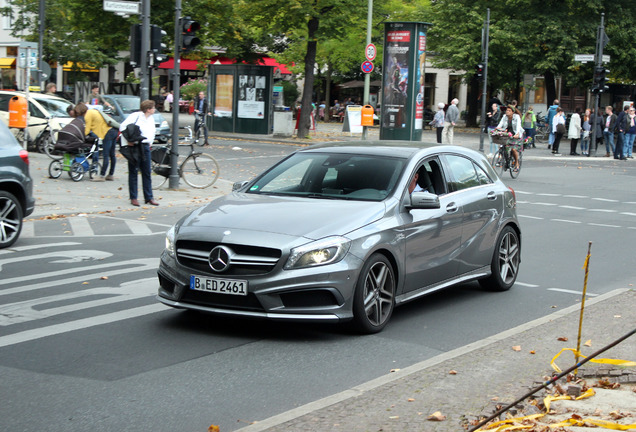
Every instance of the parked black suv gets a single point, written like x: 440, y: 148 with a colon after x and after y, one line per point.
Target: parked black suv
x: 16, y: 187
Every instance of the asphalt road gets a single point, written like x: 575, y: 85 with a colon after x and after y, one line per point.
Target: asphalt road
x: 84, y: 345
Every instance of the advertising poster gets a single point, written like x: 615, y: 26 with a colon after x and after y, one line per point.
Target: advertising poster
x: 251, y: 98
x: 224, y: 96
x: 396, y: 78
x: 421, y: 65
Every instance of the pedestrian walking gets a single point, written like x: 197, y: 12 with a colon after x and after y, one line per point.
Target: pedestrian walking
x: 574, y: 131
x: 558, y: 129
x: 438, y: 121
x: 630, y: 132
x: 452, y: 116
x: 551, y: 113
x: 586, y: 132
x: 106, y: 129
x: 529, y: 121
x: 609, y: 123
x: 619, y: 148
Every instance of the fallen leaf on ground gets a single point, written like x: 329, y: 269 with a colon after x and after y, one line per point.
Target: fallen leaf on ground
x: 533, y: 352
x: 436, y: 416
x: 410, y: 400
x: 394, y: 370
x: 563, y: 339
x: 214, y: 428
x: 104, y: 278
x: 588, y: 343
x: 453, y: 372
x: 516, y: 348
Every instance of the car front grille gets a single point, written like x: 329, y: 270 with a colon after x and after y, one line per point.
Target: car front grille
x: 245, y: 260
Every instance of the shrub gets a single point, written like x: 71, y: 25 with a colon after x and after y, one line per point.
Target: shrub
x: 192, y: 88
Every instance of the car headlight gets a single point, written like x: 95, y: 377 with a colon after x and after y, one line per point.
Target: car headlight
x: 170, y: 241
x: 326, y: 251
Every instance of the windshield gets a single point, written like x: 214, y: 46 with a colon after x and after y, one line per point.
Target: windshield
x: 331, y: 176
x: 55, y: 107
x: 129, y: 104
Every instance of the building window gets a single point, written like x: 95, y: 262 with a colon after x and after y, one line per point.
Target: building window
x: 539, y: 91
x: 7, y: 20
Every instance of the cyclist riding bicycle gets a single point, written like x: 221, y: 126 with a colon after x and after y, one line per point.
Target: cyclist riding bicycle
x: 511, y: 122
x: 200, y: 110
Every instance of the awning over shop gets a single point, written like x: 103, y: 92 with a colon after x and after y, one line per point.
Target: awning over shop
x: 192, y: 64
x: 7, y: 62
x: 68, y: 66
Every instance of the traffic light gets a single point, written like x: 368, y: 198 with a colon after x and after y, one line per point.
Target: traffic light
x: 479, y: 71
x: 135, y: 44
x: 600, y: 80
x: 156, y: 45
x: 189, y: 39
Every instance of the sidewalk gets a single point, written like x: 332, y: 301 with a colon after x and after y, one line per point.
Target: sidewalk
x: 474, y: 381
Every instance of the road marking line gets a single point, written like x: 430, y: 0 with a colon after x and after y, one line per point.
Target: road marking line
x: 137, y: 227
x: 605, y: 199
x: 81, y: 227
x: 566, y: 221
x: 33, y: 247
x: 604, y: 225
x: 124, y: 219
x: 531, y: 217
x: 572, y: 292
x: 575, y: 196
x: 628, y: 213
x: 548, y: 194
x: 602, y: 210
x: 523, y: 193
x: 544, y: 204
x: 526, y: 284
x: 81, y: 324
x: 573, y: 207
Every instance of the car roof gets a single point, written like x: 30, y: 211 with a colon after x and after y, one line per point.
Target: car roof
x: 401, y: 149
x: 34, y: 95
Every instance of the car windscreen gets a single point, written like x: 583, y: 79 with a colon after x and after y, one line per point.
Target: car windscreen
x: 54, y: 107
x: 128, y: 104
x: 331, y: 176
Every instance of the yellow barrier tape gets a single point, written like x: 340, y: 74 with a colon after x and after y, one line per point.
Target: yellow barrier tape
x: 509, y: 424
x: 616, y: 362
x: 600, y: 423
x: 546, y: 401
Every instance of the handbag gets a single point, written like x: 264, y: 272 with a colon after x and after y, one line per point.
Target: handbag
x: 560, y: 129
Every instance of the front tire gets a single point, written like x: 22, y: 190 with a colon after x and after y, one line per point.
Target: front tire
x: 200, y: 170
x: 498, y: 162
x: 55, y: 169
x: 505, y: 261
x: 76, y: 172
x: 374, y: 297
x: 10, y: 219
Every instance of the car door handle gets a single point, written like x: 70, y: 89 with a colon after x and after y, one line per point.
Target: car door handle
x: 492, y: 195
x: 451, y: 208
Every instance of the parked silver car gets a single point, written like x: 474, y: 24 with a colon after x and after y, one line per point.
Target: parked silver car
x: 333, y: 233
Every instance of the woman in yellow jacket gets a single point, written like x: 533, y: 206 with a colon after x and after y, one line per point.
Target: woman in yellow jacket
x: 106, y: 129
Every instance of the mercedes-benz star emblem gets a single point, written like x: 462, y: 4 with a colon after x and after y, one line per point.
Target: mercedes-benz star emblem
x: 220, y: 258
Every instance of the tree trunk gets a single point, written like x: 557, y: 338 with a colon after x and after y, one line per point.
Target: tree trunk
x: 550, y: 88
x: 328, y: 94
x: 310, y: 60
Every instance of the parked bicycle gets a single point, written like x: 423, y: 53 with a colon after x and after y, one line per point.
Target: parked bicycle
x: 502, y: 160
x: 541, y: 129
x: 200, y: 129
x: 197, y: 169
x: 45, y: 141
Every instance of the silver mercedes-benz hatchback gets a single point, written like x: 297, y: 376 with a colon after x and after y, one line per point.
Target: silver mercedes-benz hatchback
x: 345, y: 231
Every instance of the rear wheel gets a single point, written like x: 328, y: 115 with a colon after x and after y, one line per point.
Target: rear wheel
x: 157, y: 179
x: 10, y: 219
x: 94, y: 170
x: 374, y: 297
x: 515, y: 170
x: 55, y: 169
x: 505, y: 261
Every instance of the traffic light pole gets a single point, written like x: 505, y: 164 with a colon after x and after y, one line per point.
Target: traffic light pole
x: 598, y: 63
x: 173, y: 180
x: 145, y: 47
x: 482, y: 123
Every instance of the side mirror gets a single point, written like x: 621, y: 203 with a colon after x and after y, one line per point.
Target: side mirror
x: 424, y: 200
x: 239, y: 185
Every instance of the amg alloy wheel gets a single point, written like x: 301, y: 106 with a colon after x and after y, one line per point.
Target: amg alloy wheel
x: 374, y: 298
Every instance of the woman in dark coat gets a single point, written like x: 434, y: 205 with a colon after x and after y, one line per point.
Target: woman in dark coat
x: 72, y: 137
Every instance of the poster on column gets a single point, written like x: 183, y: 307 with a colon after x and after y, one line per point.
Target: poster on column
x: 421, y: 65
x: 223, y: 95
x: 251, y: 100
x: 396, y: 78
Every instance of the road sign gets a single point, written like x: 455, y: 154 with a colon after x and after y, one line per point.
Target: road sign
x: 584, y: 58
x: 367, y: 67
x: 126, y: 7
x: 371, y: 52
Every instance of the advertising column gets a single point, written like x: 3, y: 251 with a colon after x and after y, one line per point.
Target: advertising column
x: 402, y: 109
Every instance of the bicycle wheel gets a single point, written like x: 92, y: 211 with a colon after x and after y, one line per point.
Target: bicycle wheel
x: 498, y: 162
x: 76, y: 172
x: 157, y: 179
x: 94, y: 170
x: 514, y: 171
x: 200, y: 170
x: 47, y: 146
x: 55, y: 169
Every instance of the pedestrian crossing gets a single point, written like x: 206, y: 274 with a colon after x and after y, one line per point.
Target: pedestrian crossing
x: 90, y: 226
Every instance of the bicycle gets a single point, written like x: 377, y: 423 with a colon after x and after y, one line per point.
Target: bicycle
x: 200, y: 129
x: 502, y: 161
x: 541, y: 129
x: 199, y: 170
x: 45, y: 141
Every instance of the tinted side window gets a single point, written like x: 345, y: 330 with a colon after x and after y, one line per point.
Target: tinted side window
x: 463, y: 172
x: 481, y: 174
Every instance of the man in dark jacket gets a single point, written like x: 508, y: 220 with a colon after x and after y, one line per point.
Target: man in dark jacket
x: 200, y: 110
x: 621, y: 127
x: 609, y: 123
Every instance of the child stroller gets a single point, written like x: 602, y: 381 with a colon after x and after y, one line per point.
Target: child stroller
x: 78, y: 161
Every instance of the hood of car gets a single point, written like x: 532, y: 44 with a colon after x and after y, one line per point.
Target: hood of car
x: 290, y: 216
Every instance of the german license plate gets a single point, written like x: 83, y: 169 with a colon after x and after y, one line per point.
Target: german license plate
x: 218, y: 285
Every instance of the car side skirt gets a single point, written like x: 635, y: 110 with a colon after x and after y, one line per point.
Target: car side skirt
x: 473, y: 275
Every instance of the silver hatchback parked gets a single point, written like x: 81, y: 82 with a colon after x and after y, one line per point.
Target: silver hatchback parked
x: 345, y: 231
